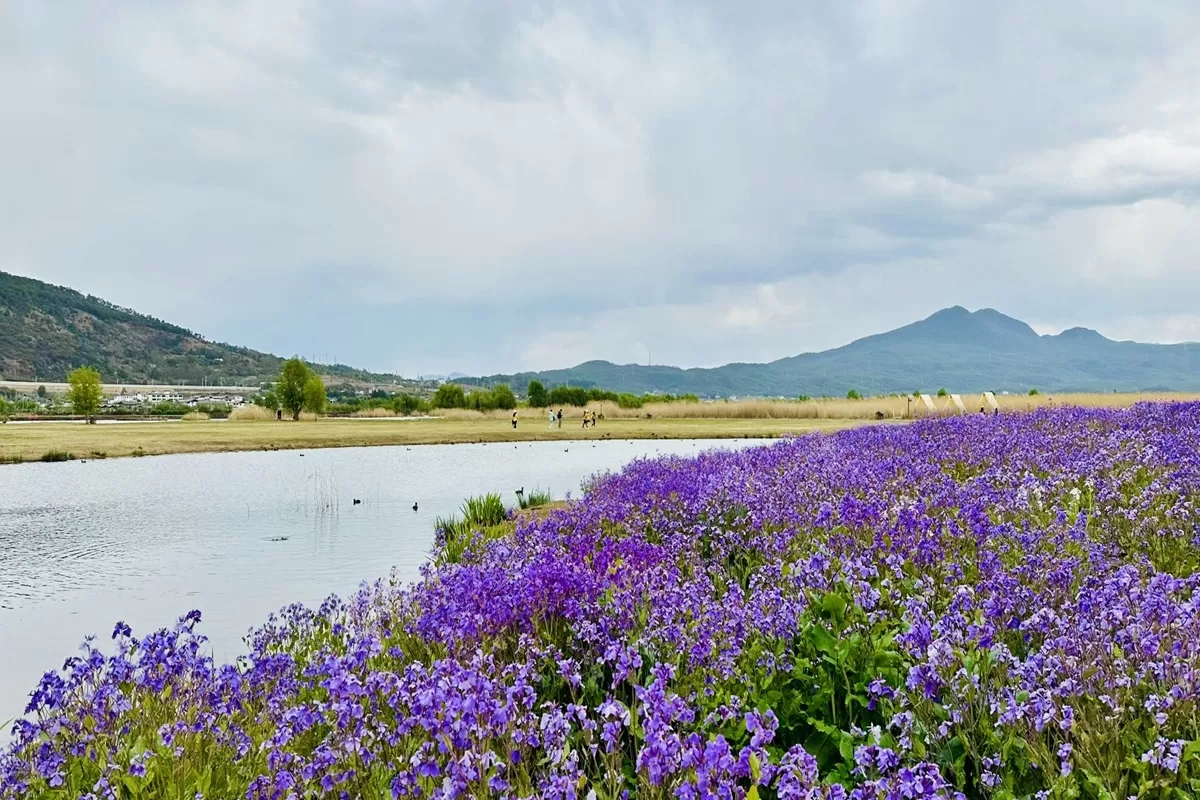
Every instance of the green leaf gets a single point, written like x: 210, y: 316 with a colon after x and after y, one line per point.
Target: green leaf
x: 834, y: 605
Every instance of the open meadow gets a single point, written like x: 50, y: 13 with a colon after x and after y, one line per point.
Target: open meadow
x: 252, y: 428
x: 974, y: 607
x: 72, y: 440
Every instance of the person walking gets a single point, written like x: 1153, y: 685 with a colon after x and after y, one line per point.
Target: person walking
x: 550, y: 411
x: 560, y: 418
x: 514, y: 420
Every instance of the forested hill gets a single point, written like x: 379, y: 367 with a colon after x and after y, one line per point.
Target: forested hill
x: 46, y: 331
x: 954, y: 348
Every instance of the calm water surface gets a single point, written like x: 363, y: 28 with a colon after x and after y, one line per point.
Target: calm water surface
x: 238, y: 535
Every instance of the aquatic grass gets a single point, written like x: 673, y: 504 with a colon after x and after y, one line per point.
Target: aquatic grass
x: 984, y: 607
x: 57, y: 456
x: 533, y: 499
x: 483, y: 519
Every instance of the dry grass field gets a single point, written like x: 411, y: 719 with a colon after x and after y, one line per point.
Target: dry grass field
x: 72, y: 440
x: 898, y: 407
x: 254, y: 429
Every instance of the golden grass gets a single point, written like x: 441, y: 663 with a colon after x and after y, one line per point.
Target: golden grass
x: 250, y: 413
x: 821, y: 408
x: 368, y: 413
x: 31, y: 442
x: 258, y: 430
x: 195, y: 416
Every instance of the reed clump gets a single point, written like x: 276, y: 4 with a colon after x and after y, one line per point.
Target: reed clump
x: 195, y: 416
x: 483, y: 518
x: 369, y: 413
x: 250, y: 414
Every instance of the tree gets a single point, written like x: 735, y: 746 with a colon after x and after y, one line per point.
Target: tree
x: 449, y: 395
x: 480, y: 401
x: 1033, y: 392
x: 568, y: 396
x: 289, y: 389
x: 314, y: 393
x: 853, y: 395
x: 85, y: 393
x: 405, y: 404
x: 942, y: 392
x: 537, y: 395
x: 504, y: 397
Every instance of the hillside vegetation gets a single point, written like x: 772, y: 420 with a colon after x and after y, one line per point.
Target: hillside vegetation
x: 46, y: 331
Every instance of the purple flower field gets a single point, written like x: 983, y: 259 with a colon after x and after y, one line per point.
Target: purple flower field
x: 988, y: 607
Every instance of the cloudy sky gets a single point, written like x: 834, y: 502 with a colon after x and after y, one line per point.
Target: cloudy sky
x: 435, y: 185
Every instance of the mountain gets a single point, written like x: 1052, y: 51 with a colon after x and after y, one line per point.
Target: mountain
x: 46, y: 331
x: 955, y: 348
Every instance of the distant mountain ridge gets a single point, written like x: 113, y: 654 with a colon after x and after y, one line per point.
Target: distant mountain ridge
x: 954, y: 348
x: 46, y: 331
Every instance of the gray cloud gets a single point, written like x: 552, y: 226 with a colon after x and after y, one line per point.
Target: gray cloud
x: 428, y: 186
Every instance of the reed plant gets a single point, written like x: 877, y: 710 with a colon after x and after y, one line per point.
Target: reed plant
x: 370, y: 413
x: 482, y: 519
x: 534, y: 499
x: 251, y: 414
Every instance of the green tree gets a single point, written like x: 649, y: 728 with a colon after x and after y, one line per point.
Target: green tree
x: 449, y: 395
x: 405, y: 404
x: 85, y: 393
x: 504, y: 397
x: 289, y: 389
x: 537, y: 395
x: 942, y: 392
x: 1033, y: 392
x: 480, y: 401
x: 314, y: 393
x: 267, y: 399
x: 568, y: 396
x: 853, y: 395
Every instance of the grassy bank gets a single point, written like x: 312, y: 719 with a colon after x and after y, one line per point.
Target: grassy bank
x: 33, y: 442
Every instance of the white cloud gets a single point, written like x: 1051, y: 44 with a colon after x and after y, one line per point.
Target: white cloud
x: 548, y: 183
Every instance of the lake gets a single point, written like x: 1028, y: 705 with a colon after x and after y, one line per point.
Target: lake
x: 239, y: 535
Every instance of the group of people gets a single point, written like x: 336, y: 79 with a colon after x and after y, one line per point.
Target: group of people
x: 556, y: 418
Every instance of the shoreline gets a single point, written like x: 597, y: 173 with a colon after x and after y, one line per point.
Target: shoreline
x: 67, y: 441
